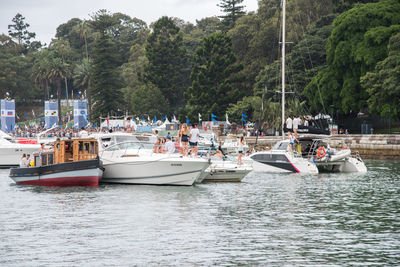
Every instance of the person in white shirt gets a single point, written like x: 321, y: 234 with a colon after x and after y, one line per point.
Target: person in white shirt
x: 194, y: 135
x: 296, y: 122
x: 169, y: 146
x: 83, y: 133
x: 22, y: 163
x: 289, y: 126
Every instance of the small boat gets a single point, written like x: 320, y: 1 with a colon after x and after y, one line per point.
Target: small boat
x: 225, y: 171
x: 71, y: 162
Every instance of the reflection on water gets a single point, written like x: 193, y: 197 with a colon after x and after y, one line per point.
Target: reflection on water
x: 268, y: 219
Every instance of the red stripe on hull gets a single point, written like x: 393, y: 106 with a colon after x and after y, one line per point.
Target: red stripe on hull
x: 65, y: 181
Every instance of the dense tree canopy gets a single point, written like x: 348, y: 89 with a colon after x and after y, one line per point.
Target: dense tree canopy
x: 213, y: 77
x: 338, y: 54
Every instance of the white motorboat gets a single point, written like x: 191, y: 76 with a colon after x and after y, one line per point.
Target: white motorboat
x: 309, y: 155
x: 11, y: 151
x: 231, y: 146
x: 225, y: 171
x: 135, y: 163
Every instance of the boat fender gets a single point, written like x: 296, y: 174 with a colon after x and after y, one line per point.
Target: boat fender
x: 321, y: 152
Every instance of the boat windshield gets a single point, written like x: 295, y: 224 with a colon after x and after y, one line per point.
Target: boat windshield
x: 280, y: 146
x: 129, y: 145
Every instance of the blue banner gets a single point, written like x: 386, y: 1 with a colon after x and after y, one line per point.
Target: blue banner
x: 50, y: 114
x: 80, y: 114
x: 7, y: 115
x: 214, y: 116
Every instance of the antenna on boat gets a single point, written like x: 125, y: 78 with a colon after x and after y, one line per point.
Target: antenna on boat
x: 283, y: 64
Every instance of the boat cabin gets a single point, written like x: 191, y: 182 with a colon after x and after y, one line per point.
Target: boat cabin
x: 68, y: 150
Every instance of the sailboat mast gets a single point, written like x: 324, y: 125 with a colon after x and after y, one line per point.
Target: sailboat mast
x: 283, y: 64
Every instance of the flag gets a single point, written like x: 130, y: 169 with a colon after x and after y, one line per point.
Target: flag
x: 164, y: 117
x: 155, y: 119
x: 143, y: 119
x: 213, y: 119
x: 213, y: 116
x: 244, y: 120
x: 244, y: 115
x: 187, y: 121
x: 95, y: 125
x: 199, y: 117
x: 33, y: 113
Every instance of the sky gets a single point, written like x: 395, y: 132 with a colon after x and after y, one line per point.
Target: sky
x: 44, y: 16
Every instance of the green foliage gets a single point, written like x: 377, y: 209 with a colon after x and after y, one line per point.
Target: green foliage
x: 233, y: 10
x: 19, y: 31
x: 213, y: 77
x: 358, y: 41
x: 105, y: 79
x: 148, y: 99
x: 383, y: 83
x: 167, y: 61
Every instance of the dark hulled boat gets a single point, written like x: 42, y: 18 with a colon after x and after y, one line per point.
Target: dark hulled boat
x: 71, y: 163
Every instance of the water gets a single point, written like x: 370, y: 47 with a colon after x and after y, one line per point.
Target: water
x: 326, y: 219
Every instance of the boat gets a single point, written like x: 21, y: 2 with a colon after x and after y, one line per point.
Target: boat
x: 71, y: 162
x: 230, y: 146
x: 225, y: 171
x: 134, y: 162
x: 308, y: 155
x: 328, y: 159
x: 11, y: 150
x: 281, y: 159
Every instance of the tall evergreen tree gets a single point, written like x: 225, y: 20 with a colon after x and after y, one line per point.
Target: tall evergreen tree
x: 106, y: 79
x: 167, y: 68
x: 233, y: 10
x: 212, y: 77
x: 19, y: 31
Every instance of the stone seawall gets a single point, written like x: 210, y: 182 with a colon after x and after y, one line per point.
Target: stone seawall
x: 384, y: 147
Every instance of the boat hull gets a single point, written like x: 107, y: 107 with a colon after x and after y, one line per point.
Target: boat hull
x: 270, y: 161
x: 162, y: 171
x: 81, y: 173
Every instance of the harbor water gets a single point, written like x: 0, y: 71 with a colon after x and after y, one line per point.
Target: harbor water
x: 267, y: 219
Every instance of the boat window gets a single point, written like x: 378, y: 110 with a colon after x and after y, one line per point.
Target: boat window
x: 80, y: 146
x: 44, y: 160
x: 50, y: 159
x: 91, y: 148
x: 121, y: 139
x: 86, y: 146
x: 37, y: 161
x: 280, y: 146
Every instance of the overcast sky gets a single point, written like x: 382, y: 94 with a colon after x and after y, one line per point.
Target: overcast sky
x: 44, y: 16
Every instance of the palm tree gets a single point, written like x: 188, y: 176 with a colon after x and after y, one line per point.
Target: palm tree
x: 58, y: 70
x: 82, y: 74
x: 40, y: 71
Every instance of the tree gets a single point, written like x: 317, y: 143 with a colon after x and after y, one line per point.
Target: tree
x: 19, y: 31
x: 148, y: 99
x: 167, y: 68
x: 40, y: 71
x: 383, y: 83
x: 82, y: 76
x: 105, y: 80
x: 213, y: 77
x: 358, y: 41
x: 233, y: 10
x: 56, y: 72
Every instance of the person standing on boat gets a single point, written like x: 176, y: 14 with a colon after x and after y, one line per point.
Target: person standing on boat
x: 240, y: 150
x: 296, y: 122
x: 289, y: 126
x: 194, y: 138
x: 184, y: 132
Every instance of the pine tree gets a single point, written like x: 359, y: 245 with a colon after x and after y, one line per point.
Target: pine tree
x: 167, y: 68
x: 106, y: 78
x: 19, y: 31
x: 233, y: 10
x: 212, y: 87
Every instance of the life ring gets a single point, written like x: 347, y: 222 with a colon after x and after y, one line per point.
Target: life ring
x: 321, y: 152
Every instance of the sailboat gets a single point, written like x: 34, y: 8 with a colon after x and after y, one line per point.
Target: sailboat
x: 308, y: 154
